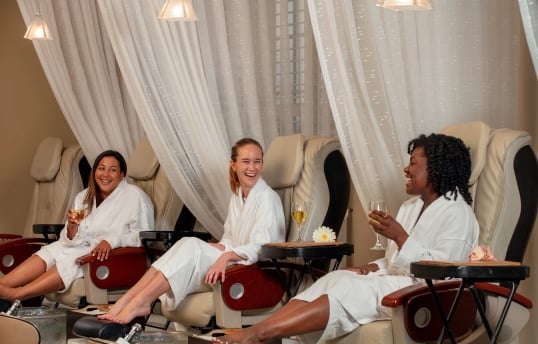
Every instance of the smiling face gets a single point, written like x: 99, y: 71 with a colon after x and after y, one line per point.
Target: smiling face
x: 108, y: 175
x: 248, y: 166
x: 416, y: 174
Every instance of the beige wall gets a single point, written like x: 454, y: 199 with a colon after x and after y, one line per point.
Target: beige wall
x: 28, y: 113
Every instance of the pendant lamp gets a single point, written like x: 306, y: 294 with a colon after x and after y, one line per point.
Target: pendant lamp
x: 38, y: 29
x: 402, y: 5
x: 178, y: 10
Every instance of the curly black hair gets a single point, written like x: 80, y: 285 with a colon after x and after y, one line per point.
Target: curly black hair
x: 449, y: 164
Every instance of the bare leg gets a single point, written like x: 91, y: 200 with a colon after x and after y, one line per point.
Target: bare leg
x: 25, y: 272
x: 47, y: 282
x: 138, y: 302
x: 296, y: 317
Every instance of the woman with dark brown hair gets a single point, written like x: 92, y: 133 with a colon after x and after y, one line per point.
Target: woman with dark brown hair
x: 113, y: 213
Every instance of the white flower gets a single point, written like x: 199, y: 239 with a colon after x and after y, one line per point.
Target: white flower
x: 324, y: 234
x: 481, y: 254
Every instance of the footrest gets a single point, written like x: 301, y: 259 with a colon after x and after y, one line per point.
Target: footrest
x: 91, y: 327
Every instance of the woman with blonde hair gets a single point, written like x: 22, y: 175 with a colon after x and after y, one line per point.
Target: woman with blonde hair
x: 255, y: 216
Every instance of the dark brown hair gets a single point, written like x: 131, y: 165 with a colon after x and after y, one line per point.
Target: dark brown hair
x: 93, y: 188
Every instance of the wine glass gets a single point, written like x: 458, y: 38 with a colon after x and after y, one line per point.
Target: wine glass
x: 77, y: 213
x: 379, y: 206
x: 299, y: 213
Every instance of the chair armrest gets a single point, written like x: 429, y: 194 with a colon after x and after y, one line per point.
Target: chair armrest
x: 5, y: 236
x: 502, y: 291
x: 420, y: 315
x: 120, y: 251
x: 401, y: 296
x: 123, y: 268
x: 244, y: 284
x: 15, y: 251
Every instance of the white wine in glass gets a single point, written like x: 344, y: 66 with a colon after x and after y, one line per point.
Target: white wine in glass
x: 299, y: 213
x: 379, y: 206
x: 78, y: 214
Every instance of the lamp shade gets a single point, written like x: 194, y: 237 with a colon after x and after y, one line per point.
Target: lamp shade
x: 402, y: 5
x: 178, y: 10
x: 38, y: 29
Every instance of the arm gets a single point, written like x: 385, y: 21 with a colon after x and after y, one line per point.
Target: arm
x: 70, y: 233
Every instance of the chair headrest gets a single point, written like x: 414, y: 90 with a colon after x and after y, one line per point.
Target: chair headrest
x: 475, y: 135
x: 47, y: 159
x: 143, y: 163
x: 283, y: 161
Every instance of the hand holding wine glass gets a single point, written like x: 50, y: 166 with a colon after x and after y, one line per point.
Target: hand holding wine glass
x: 299, y: 214
x: 380, y: 207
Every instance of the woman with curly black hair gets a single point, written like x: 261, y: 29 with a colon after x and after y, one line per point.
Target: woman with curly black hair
x: 436, y: 224
x: 449, y: 164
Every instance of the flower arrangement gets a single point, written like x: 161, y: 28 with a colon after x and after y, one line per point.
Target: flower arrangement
x: 324, y: 234
x: 481, y: 254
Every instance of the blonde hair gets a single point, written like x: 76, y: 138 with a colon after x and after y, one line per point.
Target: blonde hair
x: 234, y: 180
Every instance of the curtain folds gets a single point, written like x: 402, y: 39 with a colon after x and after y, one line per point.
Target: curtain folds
x: 251, y: 68
x: 165, y: 75
x: 81, y: 69
x: 199, y: 87
x: 393, y: 75
x: 529, y: 17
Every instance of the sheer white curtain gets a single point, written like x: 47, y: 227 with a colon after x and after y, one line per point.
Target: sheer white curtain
x: 162, y: 66
x: 393, y: 75
x: 262, y: 68
x: 81, y: 69
x: 529, y: 17
x: 249, y: 68
x: 246, y: 68
x: 198, y: 87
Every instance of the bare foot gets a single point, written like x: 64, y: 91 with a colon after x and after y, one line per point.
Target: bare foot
x: 114, y: 309
x: 128, y: 313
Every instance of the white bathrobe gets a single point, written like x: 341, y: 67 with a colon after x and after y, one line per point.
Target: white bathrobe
x: 118, y: 220
x: 447, y: 230
x: 249, y: 224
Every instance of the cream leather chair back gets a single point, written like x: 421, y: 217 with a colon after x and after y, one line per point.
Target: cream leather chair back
x: 144, y: 170
x: 56, y: 171
x: 502, y: 188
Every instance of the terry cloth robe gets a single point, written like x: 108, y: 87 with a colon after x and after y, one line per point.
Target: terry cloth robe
x: 447, y: 230
x: 249, y: 224
x: 118, y: 220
